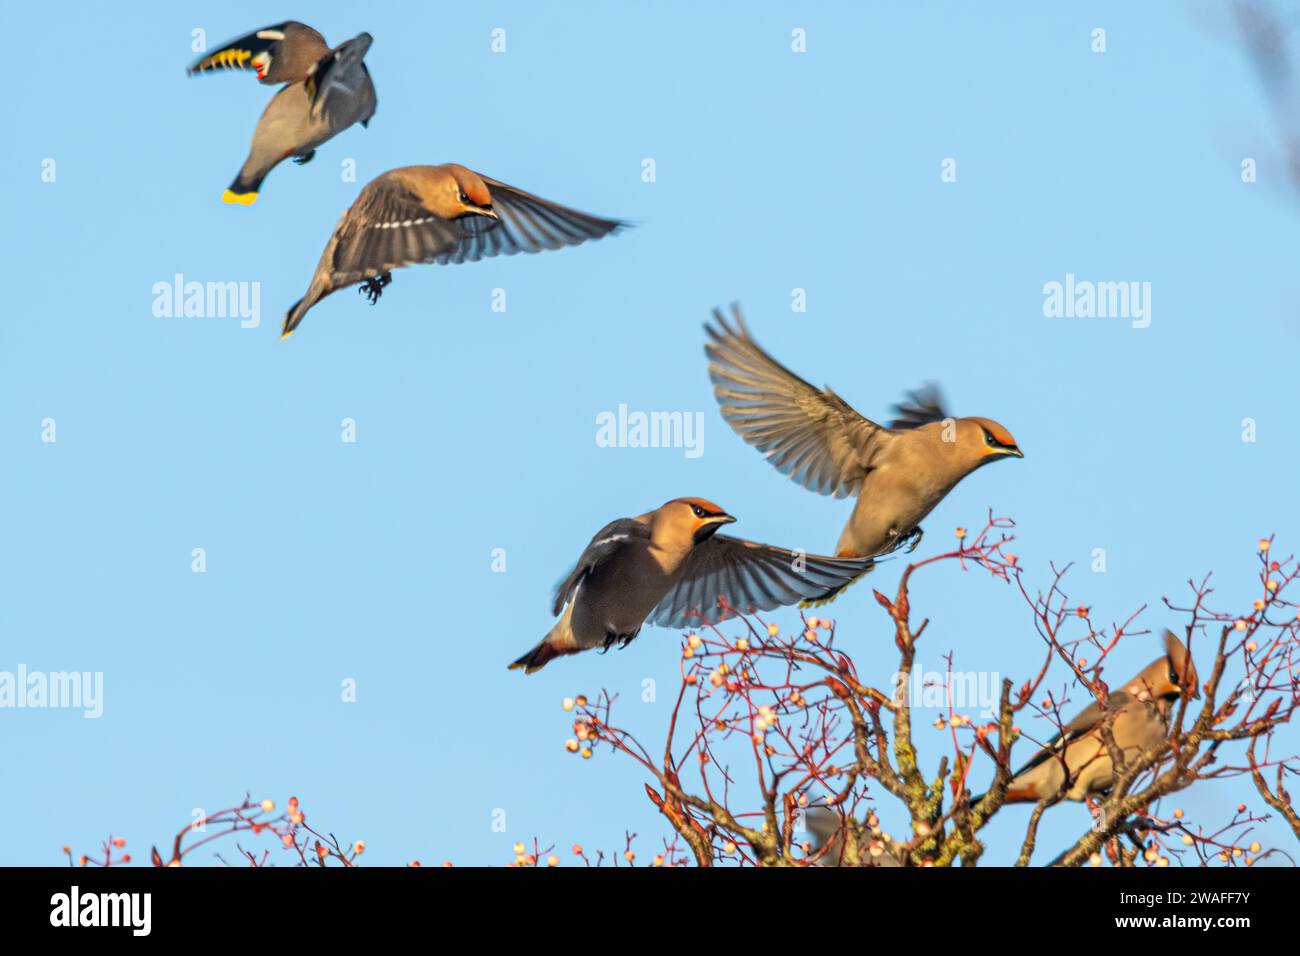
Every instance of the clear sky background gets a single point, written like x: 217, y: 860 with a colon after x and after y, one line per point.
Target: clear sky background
x: 476, y: 429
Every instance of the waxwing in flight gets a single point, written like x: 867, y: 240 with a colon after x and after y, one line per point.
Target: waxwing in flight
x: 671, y: 568
x: 443, y: 214
x: 326, y: 91
x: 898, y: 473
x: 1139, y: 722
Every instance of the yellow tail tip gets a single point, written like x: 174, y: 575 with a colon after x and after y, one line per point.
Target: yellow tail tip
x: 830, y: 598
x: 285, y: 334
x: 244, y: 199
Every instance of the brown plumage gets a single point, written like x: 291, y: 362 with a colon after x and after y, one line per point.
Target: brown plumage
x: 671, y: 568
x: 445, y: 214
x: 898, y: 473
x: 1077, y: 760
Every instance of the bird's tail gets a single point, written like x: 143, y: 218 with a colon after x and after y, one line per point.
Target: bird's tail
x: 245, y: 187
x: 298, y: 311
x: 826, y: 597
x: 558, y: 642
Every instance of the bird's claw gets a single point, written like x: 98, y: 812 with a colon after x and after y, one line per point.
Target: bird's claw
x: 303, y: 158
x: 373, y: 287
x: 907, y: 541
x: 623, y: 640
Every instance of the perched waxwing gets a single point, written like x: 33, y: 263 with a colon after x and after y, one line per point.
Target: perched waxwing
x: 326, y: 91
x: 1139, y: 722
x: 899, y: 473
x: 671, y: 568
x: 826, y: 828
x: 443, y: 214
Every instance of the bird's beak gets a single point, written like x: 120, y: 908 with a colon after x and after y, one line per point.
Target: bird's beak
x: 487, y: 211
x: 1017, y: 452
x: 709, y: 527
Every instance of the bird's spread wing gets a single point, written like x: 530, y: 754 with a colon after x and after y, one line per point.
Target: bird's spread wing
x: 527, y: 223
x: 283, y: 53
x: 749, y: 577
x: 810, y: 434
x: 390, y: 227
x: 607, y: 541
x: 1084, y: 722
x: 336, y: 72
x: 920, y: 407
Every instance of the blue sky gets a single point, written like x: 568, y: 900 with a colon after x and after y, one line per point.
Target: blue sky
x: 475, y: 429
